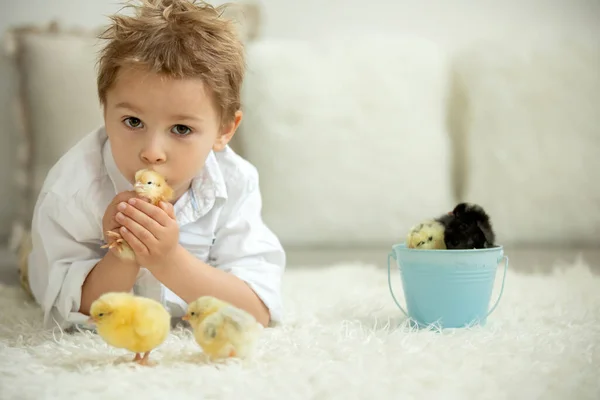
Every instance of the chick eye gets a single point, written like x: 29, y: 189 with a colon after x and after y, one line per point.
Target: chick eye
x: 133, y: 122
x: 101, y: 314
x: 430, y: 238
x: 193, y: 313
x: 181, y: 130
x: 149, y: 182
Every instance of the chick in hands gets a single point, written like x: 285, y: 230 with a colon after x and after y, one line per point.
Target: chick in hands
x: 221, y: 329
x: 428, y: 235
x: 152, y: 187
x: 135, y: 323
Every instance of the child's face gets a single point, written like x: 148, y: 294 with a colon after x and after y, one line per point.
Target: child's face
x: 164, y: 124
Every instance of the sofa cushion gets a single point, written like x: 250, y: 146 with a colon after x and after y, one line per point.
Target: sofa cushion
x: 348, y: 136
x: 532, y: 124
x: 9, y: 145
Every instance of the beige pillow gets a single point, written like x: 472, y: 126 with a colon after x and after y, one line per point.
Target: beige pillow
x: 532, y: 123
x: 349, y: 137
x: 57, y: 104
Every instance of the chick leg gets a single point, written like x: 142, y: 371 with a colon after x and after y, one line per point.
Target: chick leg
x: 125, y: 252
x: 117, y: 238
x: 137, y: 358
x: 144, y: 360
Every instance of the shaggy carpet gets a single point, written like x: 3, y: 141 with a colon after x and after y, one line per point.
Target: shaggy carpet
x: 342, y: 338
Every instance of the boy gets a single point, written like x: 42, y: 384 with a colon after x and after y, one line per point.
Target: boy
x: 169, y: 83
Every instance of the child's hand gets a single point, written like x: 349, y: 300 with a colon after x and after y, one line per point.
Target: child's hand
x: 109, y: 223
x: 152, y: 232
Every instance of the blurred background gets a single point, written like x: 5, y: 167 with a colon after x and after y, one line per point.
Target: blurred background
x: 363, y: 118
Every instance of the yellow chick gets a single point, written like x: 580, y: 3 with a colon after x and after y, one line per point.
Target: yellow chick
x: 135, y: 323
x: 427, y: 235
x: 221, y: 329
x: 151, y: 186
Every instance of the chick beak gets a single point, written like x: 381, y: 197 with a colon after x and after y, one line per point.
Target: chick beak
x: 138, y: 185
x: 186, y: 317
x: 91, y: 321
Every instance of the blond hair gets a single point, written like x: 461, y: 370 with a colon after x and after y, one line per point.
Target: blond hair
x: 178, y: 39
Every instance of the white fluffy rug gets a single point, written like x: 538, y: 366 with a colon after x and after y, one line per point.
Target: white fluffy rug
x: 343, y: 339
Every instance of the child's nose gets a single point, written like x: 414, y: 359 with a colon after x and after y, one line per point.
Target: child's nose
x: 150, y: 158
x: 153, y: 153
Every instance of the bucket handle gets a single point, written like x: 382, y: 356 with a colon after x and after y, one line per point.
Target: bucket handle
x: 505, y: 258
x: 392, y: 255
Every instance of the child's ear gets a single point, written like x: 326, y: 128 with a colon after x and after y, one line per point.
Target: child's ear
x: 227, y: 132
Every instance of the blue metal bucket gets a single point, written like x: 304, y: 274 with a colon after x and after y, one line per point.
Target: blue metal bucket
x: 447, y: 288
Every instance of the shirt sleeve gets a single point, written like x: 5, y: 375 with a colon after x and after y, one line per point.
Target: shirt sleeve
x: 65, y: 248
x: 247, y: 248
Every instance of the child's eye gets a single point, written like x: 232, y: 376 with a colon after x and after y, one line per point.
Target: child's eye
x: 133, y: 123
x: 181, y: 130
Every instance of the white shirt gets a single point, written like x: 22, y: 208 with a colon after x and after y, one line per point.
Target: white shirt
x: 219, y: 220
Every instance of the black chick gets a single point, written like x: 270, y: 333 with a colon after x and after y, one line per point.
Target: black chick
x: 467, y: 227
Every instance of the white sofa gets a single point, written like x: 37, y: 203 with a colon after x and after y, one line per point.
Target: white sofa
x: 358, y: 138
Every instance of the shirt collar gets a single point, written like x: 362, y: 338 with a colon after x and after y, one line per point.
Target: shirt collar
x: 210, y: 178
x: 120, y: 183
x: 206, y: 186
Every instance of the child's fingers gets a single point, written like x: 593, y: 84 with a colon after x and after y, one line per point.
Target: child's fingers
x: 143, y: 234
x: 136, y: 244
x: 113, y: 207
x: 168, y: 208
x: 141, y: 218
x: 122, y: 197
x: 156, y: 213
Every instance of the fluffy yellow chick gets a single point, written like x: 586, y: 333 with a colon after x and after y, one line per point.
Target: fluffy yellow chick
x: 135, y: 323
x: 151, y: 186
x: 427, y: 235
x: 221, y: 329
